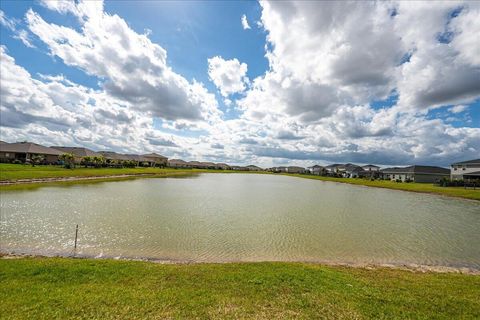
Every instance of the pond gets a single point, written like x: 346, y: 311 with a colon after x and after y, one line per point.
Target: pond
x: 242, y: 217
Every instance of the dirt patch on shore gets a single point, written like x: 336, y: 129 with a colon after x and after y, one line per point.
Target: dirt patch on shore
x: 67, y: 179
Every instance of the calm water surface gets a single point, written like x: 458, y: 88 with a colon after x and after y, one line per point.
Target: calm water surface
x: 247, y: 217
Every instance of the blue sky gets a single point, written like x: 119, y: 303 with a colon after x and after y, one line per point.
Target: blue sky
x: 305, y: 83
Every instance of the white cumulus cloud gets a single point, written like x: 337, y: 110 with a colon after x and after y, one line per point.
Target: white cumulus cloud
x: 245, y: 24
x: 109, y: 49
x: 229, y: 76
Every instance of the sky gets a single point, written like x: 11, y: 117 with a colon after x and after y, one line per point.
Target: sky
x: 246, y: 82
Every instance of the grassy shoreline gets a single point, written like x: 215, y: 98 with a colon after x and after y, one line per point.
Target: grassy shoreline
x: 62, y: 288
x: 14, y: 172
x: 457, y: 192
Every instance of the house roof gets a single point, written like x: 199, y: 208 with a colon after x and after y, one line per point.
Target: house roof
x: 352, y: 167
x: 198, y: 164
x: 316, y: 166
x: 28, y: 147
x: 222, y: 165
x: 110, y: 155
x: 334, y: 165
x: 78, y: 152
x: 475, y: 161
x: 357, y: 169
x: 154, y: 155
x: 370, y: 166
x: 251, y: 166
x: 136, y: 157
x: 179, y: 161
x: 474, y: 174
x: 418, y: 170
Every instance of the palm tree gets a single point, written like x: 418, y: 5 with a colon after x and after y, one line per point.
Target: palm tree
x: 98, y: 161
x: 68, y: 160
x: 36, y: 159
x: 86, y: 161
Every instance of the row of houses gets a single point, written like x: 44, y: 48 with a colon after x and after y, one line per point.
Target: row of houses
x: 25, y: 152
x: 466, y: 170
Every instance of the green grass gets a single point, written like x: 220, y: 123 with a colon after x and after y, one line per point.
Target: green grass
x: 19, y: 171
x: 62, y: 288
x: 412, y: 186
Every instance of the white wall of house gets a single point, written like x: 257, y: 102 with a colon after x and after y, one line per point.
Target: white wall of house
x: 457, y: 171
x: 371, y: 169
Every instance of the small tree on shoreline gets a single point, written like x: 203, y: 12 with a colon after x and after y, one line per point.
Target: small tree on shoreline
x: 68, y: 160
x: 36, y: 159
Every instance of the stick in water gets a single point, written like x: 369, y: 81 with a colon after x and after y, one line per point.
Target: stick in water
x: 76, y: 236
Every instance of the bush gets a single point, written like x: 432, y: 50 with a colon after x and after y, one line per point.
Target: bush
x: 398, y: 180
x: 444, y: 182
x: 16, y: 161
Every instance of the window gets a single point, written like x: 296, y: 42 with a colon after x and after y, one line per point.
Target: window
x: 7, y: 155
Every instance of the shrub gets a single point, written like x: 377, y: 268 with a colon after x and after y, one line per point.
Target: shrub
x: 68, y: 160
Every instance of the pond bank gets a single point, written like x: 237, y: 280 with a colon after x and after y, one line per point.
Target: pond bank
x: 84, y: 288
x: 456, y: 192
x: 412, y: 267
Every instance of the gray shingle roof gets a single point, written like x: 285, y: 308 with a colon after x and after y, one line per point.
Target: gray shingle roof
x: 417, y: 170
x: 475, y: 161
x: 78, y: 151
x: 154, y: 155
x: 28, y: 147
x: 110, y: 155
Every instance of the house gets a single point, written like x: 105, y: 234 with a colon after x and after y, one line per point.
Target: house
x: 371, y: 171
x: 253, y: 168
x: 209, y: 165
x: 465, y: 170
x: 24, y: 151
x: 336, y: 168
x: 425, y: 174
x: 222, y: 166
x: 294, y: 169
x: 317, y: 170
x: 140, y: 160
x: 178, y: 163
x: 157, y: 160
x: 371, y: 168
x: 113, y: 158
x: 240, y: 168
x: 199, y: 165
x: 353, y: 171
x: 78, y: 152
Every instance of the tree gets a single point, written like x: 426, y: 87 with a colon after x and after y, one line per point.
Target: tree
x: 98, y: 161
x: 68, y: 160
x: 36, y: 159
x: 86, y: 161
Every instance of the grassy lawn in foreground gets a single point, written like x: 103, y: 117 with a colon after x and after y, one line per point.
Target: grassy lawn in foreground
x: 411, y: 186
x: 62, y: 288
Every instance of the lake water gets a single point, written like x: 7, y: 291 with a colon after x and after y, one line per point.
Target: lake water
x: 242, y: 217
